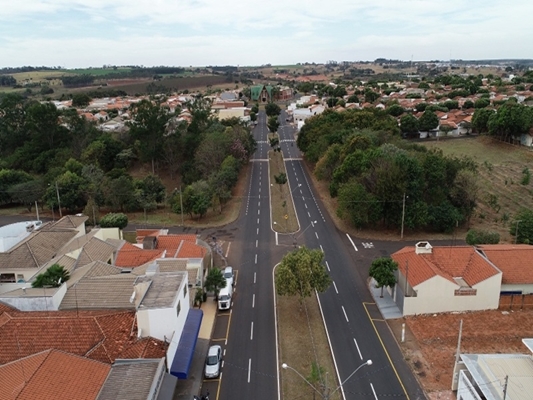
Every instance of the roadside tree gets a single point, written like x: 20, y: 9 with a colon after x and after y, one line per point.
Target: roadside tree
x: 215, y: 281
x: 382, y: 270
x: 301, y: 272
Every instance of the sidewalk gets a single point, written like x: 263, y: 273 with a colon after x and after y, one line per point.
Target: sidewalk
x: 185, y: 389
x: 386, y: 305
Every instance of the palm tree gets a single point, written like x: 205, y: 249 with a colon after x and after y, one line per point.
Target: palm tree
x: 54, y: 276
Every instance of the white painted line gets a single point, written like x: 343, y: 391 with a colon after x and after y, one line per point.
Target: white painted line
x: 227, y: 251
x: 252, y: 331
x: 256, y: 242
x: 276, y: 238
x: 359, y: 351
x: 373, y: 391
x: 301, y: 191
x: 308, y: 213
x: 305, y: 204
x: 255, y: 276
x: 253, y: 300
x: 321, y: 248
x: 335, y: 286
x: 249, y: 369
x: 259, y: 204
x: 327, y: 265
x: 257, y: 231
x: 316, y: 234
x: 345, y: 315
x: 257, y: 221
x: 258, y: 212
x: 351, y: 241
x: 256, y: 258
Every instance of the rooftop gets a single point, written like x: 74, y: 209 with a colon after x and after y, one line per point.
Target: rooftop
x: 514, y: 260
x: 163, y: 289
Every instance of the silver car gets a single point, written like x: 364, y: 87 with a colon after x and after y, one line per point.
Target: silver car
x: 229, y: 275
x: 212, y: 362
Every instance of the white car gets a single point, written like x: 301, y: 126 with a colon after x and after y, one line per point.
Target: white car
x: 229, y: 275
x: 212, y: 362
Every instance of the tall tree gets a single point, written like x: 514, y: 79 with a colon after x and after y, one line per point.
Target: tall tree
x: 522, y: 226
x: 301, y: 272
x: 272, y: 109
x: 215, y: 281
x: 428, y: 121
x: 148, y: 128
x: 382, y: 270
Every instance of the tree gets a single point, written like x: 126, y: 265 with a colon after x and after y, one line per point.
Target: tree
x: 215, y: 281
x: 522, y: 226
x: 54, y: 276
x: 468, y: 104
x: 395, y: 110
x: 428, y: 121
x: 353, y: 99
x: 480, y: 119
x: 301, y: 272
x: 197, y: 198
x: 114, y: 220
x: 81, y: 100
x: 511, y: 119
x: 27, y: 193
x: 382, y: 270
x: 481, y: 103
x: 272, y: 109
x: 273, y: 124
x: 357, y: 206
x: 409, y: 123
x: 70, y: 187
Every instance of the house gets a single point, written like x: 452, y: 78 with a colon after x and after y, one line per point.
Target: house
x: 516, y: 263
x: 444, y: 279
x: 494, y: 376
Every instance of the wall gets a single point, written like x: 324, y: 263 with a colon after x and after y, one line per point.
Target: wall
x: 524, y: 288
x: 37, y: 303
x: 437, y: 295
x: 516, y: 302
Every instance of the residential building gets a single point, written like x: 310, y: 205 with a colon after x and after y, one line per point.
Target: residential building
x: 444, y: 279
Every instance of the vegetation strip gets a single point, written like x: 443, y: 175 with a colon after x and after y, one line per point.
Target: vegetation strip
x: 283, y: 214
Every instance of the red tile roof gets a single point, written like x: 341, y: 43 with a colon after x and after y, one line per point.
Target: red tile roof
x: 132, y: 256
x: 514, y: 260
x: 191, y: 250
x: 53, y: 375
x: 99, y: 335
x: 448, y: 262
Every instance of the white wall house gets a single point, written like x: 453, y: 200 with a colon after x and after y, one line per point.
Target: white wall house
x: 444, y: 279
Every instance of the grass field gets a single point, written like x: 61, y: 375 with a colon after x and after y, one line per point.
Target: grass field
x: 99, y: 71
x: 283, y: 214
x: 501, y: 169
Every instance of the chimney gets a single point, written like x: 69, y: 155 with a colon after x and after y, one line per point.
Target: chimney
x: 423, y: 248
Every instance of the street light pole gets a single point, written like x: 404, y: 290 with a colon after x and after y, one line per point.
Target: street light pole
x: 516, y: 231
x: 326, y: 395
x: 58, y: 201
x: 403, y: 214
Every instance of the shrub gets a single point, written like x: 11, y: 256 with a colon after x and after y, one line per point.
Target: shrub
x: 114, y: 220
x: 479, y: 236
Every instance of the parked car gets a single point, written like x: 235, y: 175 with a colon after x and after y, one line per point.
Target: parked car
x: 224, y: 297
x: 212, y: 362
x: 229, y: 275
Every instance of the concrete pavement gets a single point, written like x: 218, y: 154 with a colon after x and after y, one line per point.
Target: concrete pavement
x: 386, y: 305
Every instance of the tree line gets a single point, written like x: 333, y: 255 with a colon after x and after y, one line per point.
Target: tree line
x: 45, y: 151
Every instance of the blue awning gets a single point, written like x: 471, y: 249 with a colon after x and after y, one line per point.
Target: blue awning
x: 185, y: 351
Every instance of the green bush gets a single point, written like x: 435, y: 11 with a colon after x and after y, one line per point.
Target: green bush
x: 479, y: 236
x: 114, y: 220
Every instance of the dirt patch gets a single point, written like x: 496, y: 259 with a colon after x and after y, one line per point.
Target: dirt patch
x: 431, y: 342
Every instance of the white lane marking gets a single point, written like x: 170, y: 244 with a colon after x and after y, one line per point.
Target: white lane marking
x: 321, y: 248
x: 316, y: 234
x: 359, y: 351
x: 259, y: 204
x: 249, y: 369
x: 335, y: 286
x: 252, y: 331
x: 258, y: 212
x: 351, y: 241
x: 257, y: 231
x: 255, y: 276
x: 345, y: 315
x: 256, y: 242
x: 259, y: 190
x: 276, y: 238
x: 327, y: 265
x: 256, y: 258
x: 301, y: 191
x: 257, y: 221
x: 227, y: 251
x: 308, y: 213
x: 373, y: 391
x: 305, y: 204
x: 253, y: 300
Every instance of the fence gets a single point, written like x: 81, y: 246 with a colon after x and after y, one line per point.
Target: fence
x: 516, y: 302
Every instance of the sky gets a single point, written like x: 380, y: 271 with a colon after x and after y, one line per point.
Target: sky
x: 92, y: 33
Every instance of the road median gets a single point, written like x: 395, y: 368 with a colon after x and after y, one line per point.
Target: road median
x: 284, y: 219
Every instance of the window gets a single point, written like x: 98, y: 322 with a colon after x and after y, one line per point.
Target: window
x: 185, y: 291
x: 178, y: 309
x: 7, y: 278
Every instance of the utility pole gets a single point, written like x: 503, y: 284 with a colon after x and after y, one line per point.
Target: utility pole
x: 457, y: 354
x: 403, y: 214
x: 181, y: 206
x: 516, y: 231
x: 505, y: 386
x: 59, y: 202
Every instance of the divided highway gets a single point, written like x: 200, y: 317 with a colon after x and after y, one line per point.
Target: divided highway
x: 353, y: 322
